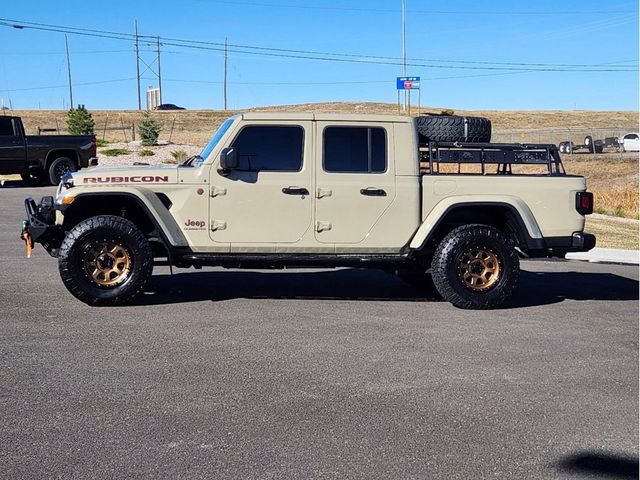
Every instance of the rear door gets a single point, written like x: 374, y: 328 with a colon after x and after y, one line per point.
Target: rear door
x: 12, y: 147
x: 355, y: 179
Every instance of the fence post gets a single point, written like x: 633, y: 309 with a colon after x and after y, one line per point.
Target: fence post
x: 133, y: 132
x: 620, y: 135
x: 104, y: 131
x: 172, y: 125
x: 124, y: 131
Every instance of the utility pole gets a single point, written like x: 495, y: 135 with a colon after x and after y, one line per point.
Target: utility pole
x: 138, y: 65
x: 159, y: 75
x: 225, y: 73
x: 66, y: 43
x: 404, y: 46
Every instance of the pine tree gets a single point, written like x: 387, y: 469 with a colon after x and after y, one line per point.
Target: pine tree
x: 80, y: 121
x: 149, y: 130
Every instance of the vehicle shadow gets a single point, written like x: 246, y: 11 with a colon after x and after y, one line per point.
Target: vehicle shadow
x: 599, y: 465
x: 535, y: 288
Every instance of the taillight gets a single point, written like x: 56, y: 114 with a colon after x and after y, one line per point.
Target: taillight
x: 584, y: 203
x: 94, y: 145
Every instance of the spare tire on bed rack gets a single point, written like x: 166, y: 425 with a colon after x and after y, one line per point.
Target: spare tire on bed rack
x: 453, y: 128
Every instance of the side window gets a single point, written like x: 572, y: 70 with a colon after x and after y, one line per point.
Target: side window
x: 631, y: 136
x: 6, y: 127
x: 355, y: 149
x: 270, y: 148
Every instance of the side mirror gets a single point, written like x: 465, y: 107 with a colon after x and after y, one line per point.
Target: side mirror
x: 229, y: 159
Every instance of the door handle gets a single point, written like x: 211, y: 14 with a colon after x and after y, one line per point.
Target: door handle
x: 373, y: 192
x: 295, y: 191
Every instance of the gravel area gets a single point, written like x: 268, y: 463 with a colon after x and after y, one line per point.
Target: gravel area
x: 161, y: 153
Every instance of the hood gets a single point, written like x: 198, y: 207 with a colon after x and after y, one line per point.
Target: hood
x: 135, y: 174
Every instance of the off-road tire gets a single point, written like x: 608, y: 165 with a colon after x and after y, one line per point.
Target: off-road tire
x: 82, y: 238
x: 34, y: 179
x: 59, y: 167
x: 453, y: 128
x: 445, y: 266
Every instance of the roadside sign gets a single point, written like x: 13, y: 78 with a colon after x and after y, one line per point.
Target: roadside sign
x: 408, y: 83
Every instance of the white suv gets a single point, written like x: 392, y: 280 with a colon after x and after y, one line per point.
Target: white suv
x: 631, y: 142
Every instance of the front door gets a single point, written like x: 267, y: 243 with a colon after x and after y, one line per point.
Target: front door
x: 12, y: 148
x: 267, y: 200
x: 355, y: 180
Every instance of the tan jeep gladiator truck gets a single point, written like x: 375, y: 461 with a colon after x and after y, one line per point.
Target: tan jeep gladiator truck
x: 293, y: 190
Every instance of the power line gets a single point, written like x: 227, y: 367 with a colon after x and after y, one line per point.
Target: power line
x: 48, y: 87
x: 329, y: 56
x: 434, y: 12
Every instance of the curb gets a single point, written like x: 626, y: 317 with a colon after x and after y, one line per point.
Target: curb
x: 607, y: 255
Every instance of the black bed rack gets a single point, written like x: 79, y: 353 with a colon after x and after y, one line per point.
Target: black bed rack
x: 503, y: 155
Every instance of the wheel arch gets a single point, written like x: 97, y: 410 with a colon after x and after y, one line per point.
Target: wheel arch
x: 147, y: 211
x: 61, y: 152
x: 508, y: 215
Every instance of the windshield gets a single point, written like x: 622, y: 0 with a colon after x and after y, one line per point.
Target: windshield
x: 216, y: 138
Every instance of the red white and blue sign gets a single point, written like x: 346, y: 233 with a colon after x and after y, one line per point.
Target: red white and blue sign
x: 408, y: 83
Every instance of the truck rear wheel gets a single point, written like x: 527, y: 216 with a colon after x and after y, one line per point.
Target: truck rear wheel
x: 59, y: 167
x: 453, y: 128
x: 475, y: 267
x: 105, y: 260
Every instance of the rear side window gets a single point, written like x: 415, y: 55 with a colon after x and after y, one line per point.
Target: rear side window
x: 6, y: 127
x: 270, y: 148
x: 631, y: 136
x: 355, y: 149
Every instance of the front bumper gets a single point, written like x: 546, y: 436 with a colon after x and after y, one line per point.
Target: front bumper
x: 40, y: 227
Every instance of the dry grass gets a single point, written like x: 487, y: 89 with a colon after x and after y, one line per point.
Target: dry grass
x: 613, y: 181
x: 613, y: 232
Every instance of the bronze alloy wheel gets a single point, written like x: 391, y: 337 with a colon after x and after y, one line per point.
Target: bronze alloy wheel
x: 479, y: 268
x: 108, y: 264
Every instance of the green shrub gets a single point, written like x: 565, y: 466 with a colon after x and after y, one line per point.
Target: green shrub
x: 149, y: 130
x: 146, y: 153
x: 101, y: 142
x: 447, y: 112
x: 114, y: 152
x: 80, y: 121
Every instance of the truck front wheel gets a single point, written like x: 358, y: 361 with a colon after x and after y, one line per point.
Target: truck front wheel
x: 475, y: 267
x: 105, y: 260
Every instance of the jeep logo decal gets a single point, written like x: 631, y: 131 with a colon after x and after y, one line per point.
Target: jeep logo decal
x: 136, y: 179
x: 194, y: 224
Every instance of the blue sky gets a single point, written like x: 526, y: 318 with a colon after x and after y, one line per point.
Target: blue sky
x: 547, y: 32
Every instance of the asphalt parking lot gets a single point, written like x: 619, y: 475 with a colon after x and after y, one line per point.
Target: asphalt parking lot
x: 315, y: 374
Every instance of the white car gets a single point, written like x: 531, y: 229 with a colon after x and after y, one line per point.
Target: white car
x: 631, y: 142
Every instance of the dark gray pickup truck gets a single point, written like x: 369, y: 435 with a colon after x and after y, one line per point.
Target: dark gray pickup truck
x: 42, y: 159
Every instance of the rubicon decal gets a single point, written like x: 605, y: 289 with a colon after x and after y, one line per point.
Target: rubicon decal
x: 136, y: 179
